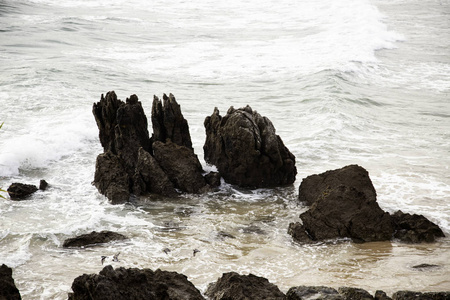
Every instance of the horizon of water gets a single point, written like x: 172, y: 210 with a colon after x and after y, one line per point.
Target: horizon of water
x: 348, y: 82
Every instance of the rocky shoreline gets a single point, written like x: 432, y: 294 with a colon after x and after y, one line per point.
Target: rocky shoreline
x: 132, y: 283
x: 247, y: 152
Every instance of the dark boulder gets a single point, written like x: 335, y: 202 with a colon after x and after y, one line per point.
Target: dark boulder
x: 93, y: 238
x: 168, y: 122
x: 246, y: 151
x: 415, y: 228
x: 132, y: 283
x: 20, y: 191
x: 344, y: 205
x: 181, y: 166
x: 354, y: 293
x: 313, y: 187
x: 409, y: 295
x: 341, y: 209
x: 232, y: 286
x: 8, y: 289
x: 313, y: 292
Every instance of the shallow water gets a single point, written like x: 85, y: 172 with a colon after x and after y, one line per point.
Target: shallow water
x: 343, y: 83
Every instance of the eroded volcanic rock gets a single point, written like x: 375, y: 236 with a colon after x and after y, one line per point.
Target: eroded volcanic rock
x: 133, y: 283
x: 135, y: 164
x: 246, y: 151
x: 168, y: 122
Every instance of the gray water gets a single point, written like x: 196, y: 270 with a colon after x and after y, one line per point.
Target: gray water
x: 354, y: 82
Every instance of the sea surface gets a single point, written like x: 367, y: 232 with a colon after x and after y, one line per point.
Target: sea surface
x: 344, y: 82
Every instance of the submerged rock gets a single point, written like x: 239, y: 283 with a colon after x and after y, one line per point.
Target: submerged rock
x: 344, y: 205
x: 246, y: 151
x: 20, y: 191
x: 133, y: 283
x: 8, y: 289
x: 93, y: 238
x: 232, y: 286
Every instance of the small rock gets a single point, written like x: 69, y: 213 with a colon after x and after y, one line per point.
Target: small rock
x: 43, y: 185
x: 20, y: 191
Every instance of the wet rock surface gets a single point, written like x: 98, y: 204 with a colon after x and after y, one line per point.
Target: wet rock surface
x: 8, y: 289
x: 133, y: 163
x: 246, y: 151
x: 132, y: 283
x: 344, y: 205
x: 410, y: 295
x: 181, y: 166
x: 239, y: 287
x: 413, y: 228
x: 313, y: 292
x: 121, y: 283
x: 168, y: 122
x: 21, y: 191
x: 93, y: 238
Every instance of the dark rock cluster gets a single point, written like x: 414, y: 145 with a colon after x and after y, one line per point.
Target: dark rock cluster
x: 133, y: 163
x: 135, y: 283
x: 343, y: 204
x: 243, y: 146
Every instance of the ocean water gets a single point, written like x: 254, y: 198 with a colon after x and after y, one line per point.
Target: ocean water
x: 344, y: 82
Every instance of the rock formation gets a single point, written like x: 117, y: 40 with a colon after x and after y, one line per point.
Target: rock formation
x: 241, y: 287
x: 20, y: 191
x: 8, y: 289
x: 168, y: 122
x: 132, y: 162
x: 93, y: 238
x: 122, y: 283
x: 343, y: 205
x: 246, y: 151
